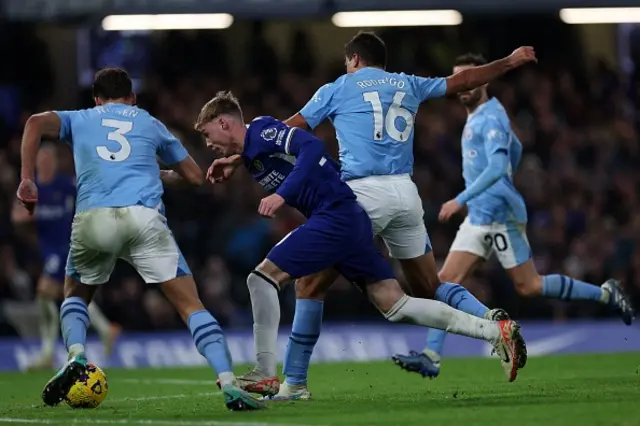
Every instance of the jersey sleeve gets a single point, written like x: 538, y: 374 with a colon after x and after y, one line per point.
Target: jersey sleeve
x: 427, y: 87
x: 170, y: 149
x: 497, y: 140
x: 320, y: 106
x: 65, y: 125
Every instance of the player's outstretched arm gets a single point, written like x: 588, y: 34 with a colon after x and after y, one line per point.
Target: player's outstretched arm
x: 41, y: 126
x: 478, y: 76
x: 185, y: 173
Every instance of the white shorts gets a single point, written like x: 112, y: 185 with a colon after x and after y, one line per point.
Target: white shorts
x: 395, y: 210
x: 136, y: 234
x: 507, y: 240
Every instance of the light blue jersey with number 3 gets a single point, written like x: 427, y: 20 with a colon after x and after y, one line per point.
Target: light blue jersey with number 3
x: 115, y: 150
x: 373, y: 112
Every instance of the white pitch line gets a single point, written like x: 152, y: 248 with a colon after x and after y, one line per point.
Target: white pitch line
x: 154, y: 398
x: 166, y: 382
x: 138, y: 422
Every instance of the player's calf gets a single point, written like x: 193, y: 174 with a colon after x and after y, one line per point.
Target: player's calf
x: 398, y: 307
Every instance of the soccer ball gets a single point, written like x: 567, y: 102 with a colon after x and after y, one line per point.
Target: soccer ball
x: 90, y: 389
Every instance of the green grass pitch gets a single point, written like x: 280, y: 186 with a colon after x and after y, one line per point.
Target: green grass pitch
x: 561, y: 390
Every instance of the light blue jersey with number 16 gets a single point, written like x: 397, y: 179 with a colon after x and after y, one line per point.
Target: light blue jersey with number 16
x: 115, y: 149
x: 373, y: 112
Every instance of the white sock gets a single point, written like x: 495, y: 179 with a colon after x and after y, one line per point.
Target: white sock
x: 75, y: 350
x: 98, y: 320
x: 266, y: 319
x: 434, y: 314
x: 49, y: 324
x: 226, y: 378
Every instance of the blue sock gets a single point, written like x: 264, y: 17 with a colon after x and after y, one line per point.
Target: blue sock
x: 74, y: 321
x: 210, y: 341
x: 459, y: 298
x: 435, y: 340
x: 567, y: 288
x: 307, y: 322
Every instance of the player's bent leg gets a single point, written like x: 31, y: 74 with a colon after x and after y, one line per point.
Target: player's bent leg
x: 307, y: 323
x: 48, y: 292
x: 529, y: 283
x: 74, y: 319
x: 458, y: 266
x: 396, y: 306
x: 208, y: 338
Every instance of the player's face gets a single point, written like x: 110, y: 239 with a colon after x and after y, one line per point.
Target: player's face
x: 218, y: 137
x: 471, y: 97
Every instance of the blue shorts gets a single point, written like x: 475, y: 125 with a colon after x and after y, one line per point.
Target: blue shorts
x: 337, y: 237
x: 54, y: 264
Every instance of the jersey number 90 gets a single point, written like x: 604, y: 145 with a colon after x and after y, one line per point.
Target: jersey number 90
x: 118, y: 136
x: 388, y: 124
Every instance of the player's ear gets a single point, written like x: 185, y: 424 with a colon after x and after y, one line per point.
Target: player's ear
x: 134, y: 99
x: 98, y: 101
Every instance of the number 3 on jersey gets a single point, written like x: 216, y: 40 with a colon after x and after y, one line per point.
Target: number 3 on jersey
x: 121, y: 128
x: 389, y: 122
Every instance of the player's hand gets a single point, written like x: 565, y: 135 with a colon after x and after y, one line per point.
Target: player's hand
x: 270, y: 205
x: 448, y: 209
x: 222, y: 169
x: 28, y: 195
x: 523, y: 55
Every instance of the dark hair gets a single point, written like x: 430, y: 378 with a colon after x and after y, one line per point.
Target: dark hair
x: 474, y: 59
x: 112, y: 83
x: 369, y: 47
x: 223, y: 103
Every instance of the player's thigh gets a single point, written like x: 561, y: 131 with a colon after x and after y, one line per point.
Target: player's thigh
x: 365, y: 265
x: 375, y: 198
x: 474, y: 240
x: 183, y: 295
x: 421, y: 274
x: 458, y: 266
x: 152, y: 249
x: 510, y: 244
x: 405, y: 234
x: 317, y: 285
x: 93, y: 248
x: 310, y: 248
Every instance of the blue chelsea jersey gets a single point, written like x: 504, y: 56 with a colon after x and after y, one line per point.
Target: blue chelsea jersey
x: 486, y: 134
x: 294, y: 164
x: 373, y: 112
x: 115, y: 150
x: 54, y: 213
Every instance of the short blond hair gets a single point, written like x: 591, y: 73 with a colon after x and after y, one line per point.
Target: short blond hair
x: 223, y: 103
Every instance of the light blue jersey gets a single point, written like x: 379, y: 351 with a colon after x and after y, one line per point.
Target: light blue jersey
x: 490, y: 154
x: 373, y: 112
x: 115, y: 147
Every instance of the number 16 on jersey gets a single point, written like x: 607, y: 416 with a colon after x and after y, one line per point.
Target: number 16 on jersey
x: 388, y: 124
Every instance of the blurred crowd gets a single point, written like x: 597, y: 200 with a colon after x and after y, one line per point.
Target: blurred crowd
x: 579, y: 173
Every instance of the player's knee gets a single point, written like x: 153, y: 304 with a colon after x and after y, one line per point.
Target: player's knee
x: 73, y: 288
x: 271, y: 273
x: 529, y: 287
x: 385, y: 295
